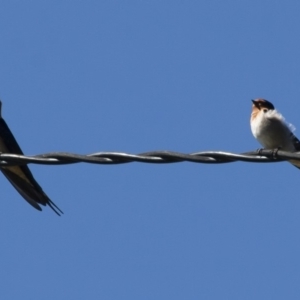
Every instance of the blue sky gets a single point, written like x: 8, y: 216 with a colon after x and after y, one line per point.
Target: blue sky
x: 136, y: 76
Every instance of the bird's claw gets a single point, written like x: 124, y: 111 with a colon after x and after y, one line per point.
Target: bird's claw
x: 275, y: 153
x: 259, y: 151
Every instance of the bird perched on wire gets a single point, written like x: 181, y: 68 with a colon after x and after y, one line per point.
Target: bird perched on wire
x: 20, y: 176
x: 269, y: 127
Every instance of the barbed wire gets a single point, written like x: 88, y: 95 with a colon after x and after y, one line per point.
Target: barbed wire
x: 155, y: 157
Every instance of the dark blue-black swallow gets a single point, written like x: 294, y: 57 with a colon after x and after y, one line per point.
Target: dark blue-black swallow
x: 20, y: 176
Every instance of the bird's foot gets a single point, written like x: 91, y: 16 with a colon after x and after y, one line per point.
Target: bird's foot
x: 259, y: 151
x: 275, y: 153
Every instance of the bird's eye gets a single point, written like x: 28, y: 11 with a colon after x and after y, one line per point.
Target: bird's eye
x: 265, y: 110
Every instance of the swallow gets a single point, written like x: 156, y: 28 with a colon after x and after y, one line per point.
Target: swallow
x: 271, y: 130
x: 20, y: 176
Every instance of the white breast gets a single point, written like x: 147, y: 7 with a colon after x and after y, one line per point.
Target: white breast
x: 271, y: 130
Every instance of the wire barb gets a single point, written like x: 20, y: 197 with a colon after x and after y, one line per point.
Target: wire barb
x: 155, y: 157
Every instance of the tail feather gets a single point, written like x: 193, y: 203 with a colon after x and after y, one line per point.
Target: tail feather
x: 295, y: 163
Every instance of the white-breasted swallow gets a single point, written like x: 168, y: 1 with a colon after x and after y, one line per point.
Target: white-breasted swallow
x: 269, y: 127
x: 20, y: 176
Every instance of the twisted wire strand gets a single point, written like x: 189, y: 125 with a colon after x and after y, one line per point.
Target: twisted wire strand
x: 156, y: 157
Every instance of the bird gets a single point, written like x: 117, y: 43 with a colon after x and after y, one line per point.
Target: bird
x: 269, y: 127
x: 20, y: 176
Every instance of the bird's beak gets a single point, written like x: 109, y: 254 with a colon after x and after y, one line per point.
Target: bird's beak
x: 255, y: 103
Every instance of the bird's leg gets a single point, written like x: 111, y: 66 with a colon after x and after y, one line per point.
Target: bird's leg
x: 275, y: 153
x: 259, y: 151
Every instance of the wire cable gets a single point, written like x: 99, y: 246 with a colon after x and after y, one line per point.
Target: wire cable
x: 154, y: 157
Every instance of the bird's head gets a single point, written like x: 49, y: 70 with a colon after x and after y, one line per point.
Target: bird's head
x: 262, y: 104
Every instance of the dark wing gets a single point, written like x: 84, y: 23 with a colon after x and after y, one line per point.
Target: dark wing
x: 20, y: 176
